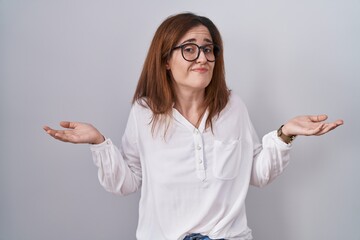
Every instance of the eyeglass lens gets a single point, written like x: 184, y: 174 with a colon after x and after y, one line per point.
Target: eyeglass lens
x: 191, y: 51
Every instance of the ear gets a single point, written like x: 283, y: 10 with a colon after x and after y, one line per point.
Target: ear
x: 168, y: 63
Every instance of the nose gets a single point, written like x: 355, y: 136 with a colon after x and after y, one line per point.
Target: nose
x: 202, y: 58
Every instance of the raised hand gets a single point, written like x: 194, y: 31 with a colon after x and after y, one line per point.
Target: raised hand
x: 76, y: 132
x: 310, y: 125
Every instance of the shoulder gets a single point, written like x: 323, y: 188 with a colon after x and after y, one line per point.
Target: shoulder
x: 235, y: 109
x: 233, y: 120
x: 140, y: 109
x: 140, y: 105
x: 235, y: 103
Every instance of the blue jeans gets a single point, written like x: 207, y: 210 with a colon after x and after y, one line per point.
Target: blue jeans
x: 198, y: 236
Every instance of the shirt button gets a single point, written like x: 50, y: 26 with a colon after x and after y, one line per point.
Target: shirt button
x: 200, y: 161
x: 198, y: 147
x: 196, y: 131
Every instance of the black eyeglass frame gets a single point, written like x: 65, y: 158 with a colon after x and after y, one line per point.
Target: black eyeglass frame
x: 216, y: 50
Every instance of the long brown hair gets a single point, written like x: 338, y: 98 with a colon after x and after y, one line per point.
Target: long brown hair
x: 155, y: 88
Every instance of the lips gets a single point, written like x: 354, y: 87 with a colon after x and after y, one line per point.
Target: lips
x: 200, y: 70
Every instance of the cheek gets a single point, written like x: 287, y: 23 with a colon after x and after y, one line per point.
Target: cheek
x: 212, y: 70
x: 179, y: 69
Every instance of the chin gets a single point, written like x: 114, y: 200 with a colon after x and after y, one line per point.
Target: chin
x: 203, y: 85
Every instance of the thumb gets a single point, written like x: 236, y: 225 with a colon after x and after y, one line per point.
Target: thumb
x: 318, y: 118
x: 67, y: 124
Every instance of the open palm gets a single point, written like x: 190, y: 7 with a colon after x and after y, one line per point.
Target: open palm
x: 76, y: 132
x: 310, y: 125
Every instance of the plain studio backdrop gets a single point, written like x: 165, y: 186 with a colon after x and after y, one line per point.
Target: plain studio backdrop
x: 80, y: 60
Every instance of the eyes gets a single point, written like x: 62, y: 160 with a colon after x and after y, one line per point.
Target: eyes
x: 191, y: 51
x: 192, y: 48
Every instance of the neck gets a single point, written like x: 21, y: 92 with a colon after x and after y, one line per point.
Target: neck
x: 191, y: 106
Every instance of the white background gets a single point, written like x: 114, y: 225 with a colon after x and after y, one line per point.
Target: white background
x: 80, y: 60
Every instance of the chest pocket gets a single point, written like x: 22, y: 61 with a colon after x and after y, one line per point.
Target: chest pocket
x: 227, y: 159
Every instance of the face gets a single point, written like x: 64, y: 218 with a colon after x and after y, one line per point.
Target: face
x: 196, y: 75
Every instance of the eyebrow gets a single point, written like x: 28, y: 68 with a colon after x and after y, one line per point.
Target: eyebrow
x: 194, y: 40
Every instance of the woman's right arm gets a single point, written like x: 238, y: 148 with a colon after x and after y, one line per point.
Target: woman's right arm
x: 119, y: 170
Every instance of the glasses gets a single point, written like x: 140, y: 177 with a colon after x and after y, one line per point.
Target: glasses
x: 191, y: 51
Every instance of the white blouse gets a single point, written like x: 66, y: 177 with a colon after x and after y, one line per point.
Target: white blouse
x: 193, y: 180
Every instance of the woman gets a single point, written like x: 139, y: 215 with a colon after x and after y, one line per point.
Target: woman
x: 189, y: 144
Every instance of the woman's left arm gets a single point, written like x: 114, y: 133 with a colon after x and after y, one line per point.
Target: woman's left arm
x: 272, y: 156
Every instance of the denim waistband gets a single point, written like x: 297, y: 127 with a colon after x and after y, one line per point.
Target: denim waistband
x: 198, y: 236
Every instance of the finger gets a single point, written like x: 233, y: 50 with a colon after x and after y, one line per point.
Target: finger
x: 49, y: 130
x: 63, y: 135
x: 60, y: 136
x: 327, y: 128
x: 66, y: 137
x: 330, y: 126
x: 53, y: 132
x: 316, y: 130
x: 339, y: 122
x: 46, y: 128
x: 318, y: 118
x: 67, y: 124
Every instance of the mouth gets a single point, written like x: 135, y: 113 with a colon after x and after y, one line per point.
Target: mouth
x: 200, y: 70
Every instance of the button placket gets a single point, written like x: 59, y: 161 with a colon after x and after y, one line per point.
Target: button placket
x: 199, y: 155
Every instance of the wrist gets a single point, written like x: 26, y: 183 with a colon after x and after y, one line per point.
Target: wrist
x: 285, y: 136
x: 284, y: 129
x: 99, y: 139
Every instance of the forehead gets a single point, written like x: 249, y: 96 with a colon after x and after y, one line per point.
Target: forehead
x: 197, y: 34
